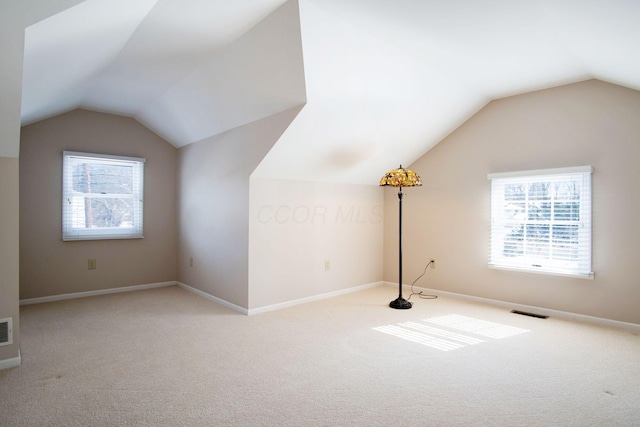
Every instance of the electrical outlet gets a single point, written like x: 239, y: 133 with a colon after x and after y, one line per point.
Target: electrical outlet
x: 433, y: 263
x: 91, y: 263
x: 190, y: 261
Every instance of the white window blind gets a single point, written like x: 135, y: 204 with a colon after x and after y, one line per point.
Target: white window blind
x: 102, y: 196
x: 541, y: 221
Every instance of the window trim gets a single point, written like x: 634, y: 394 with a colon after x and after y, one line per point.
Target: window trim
x: 79, y: 234
x: 586, y: 205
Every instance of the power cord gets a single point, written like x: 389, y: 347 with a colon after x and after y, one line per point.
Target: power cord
x: 420, y: 294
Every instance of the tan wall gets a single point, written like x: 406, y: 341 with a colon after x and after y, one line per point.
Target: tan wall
x: 9, y: 251
x: 590, y: 123
x: 296, y: 226
x: 213, y: 181
x: 49, y: 266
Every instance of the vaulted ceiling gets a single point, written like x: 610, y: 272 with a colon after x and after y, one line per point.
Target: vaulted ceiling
x: 381, y: 81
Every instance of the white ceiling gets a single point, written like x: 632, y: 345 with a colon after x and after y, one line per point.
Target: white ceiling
x: 383, y: 81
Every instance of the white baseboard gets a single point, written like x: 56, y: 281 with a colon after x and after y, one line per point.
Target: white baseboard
x: 11, y: 363
x: 212, y: 298
x: 203, y: 294
x: 319, y: 297
x: 278, y: 306
x: 94, y: 293
x: 533, y: 309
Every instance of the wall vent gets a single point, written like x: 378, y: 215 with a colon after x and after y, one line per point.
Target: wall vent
x: 6, y: 331
x: 525, y: 313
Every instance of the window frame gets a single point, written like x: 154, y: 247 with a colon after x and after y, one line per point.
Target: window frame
x: 559, y: 265
x: 71, y: 233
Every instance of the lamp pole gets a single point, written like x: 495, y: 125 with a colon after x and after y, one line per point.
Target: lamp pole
x: 400, y: 303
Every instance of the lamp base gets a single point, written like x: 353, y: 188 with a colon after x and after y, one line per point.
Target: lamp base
x: 400, y: 304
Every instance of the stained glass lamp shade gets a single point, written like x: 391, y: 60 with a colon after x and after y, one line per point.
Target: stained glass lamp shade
x: 401, y: 177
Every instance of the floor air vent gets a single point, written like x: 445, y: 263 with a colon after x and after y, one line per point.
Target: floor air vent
x: 5, y: 331
x: 525, y: 313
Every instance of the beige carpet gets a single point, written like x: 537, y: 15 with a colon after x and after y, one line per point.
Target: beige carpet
x: 165, y: 357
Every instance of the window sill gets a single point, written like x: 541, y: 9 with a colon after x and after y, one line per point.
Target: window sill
x: 103, y: 237
x: 589, y: 276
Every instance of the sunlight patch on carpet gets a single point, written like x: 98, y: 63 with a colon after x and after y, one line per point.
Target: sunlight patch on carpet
x: 477, y: 326
x: 446, y: 339
x: 419, y: 338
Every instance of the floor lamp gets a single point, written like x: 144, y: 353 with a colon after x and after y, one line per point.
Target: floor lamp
x: 400, y: 177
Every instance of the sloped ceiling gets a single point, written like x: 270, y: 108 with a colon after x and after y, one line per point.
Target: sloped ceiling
x: 383, y: 81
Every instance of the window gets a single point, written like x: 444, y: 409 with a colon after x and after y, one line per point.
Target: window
x: 541, y: 221
x: 101, y: 196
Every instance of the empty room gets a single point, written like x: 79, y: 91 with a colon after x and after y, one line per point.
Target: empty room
x: 319, y: 213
